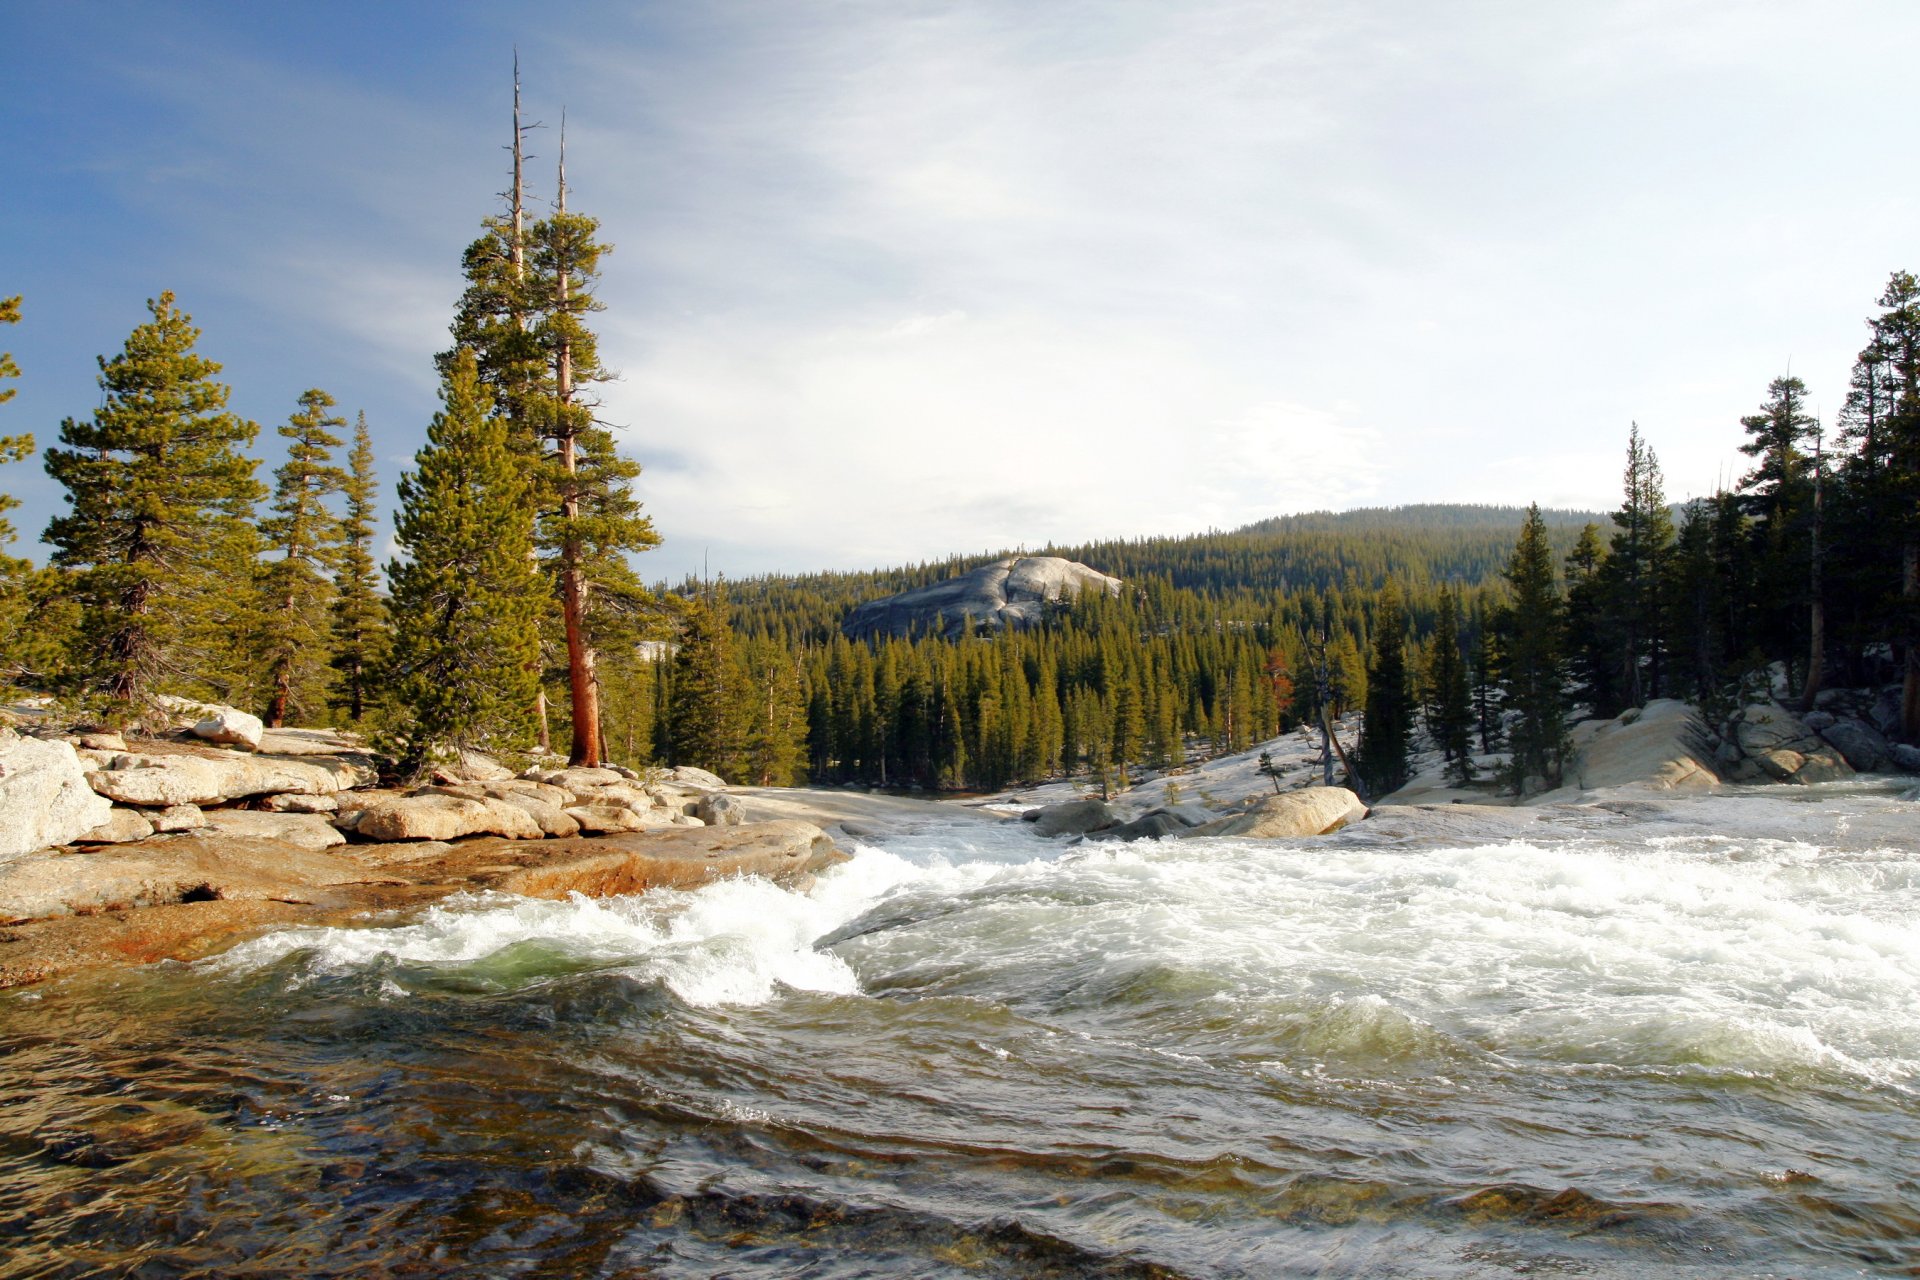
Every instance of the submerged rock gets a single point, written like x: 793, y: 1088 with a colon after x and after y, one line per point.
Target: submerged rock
x: 1075, y: 817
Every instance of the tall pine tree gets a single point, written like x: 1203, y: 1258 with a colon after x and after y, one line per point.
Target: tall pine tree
x: 465, y: 601
x: 297, y: 585
x: 1386, y: 729
x: 12, y: 448
x: 590, y: 519
x: 1531, y: 656
x: 359, y: 614
x: 160, y: 496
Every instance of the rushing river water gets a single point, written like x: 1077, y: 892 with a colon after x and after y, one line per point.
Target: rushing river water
x: 1663, y: 1039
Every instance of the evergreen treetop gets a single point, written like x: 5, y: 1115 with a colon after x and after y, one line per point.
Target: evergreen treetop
x: 160, y: 499
x: 466, y: 599
x: 297, y: 586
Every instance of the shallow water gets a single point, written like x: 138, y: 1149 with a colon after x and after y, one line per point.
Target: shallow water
x: 1676, y: 1038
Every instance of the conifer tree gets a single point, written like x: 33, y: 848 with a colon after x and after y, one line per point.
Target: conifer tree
x: 160, y: 499
x: 465, y: 600
x: 1636, y: 573
x: 710, y: 707
x: 1591, y: 634
x: 1532, y: 653
x: 1452, y: 723
x: 359, y: 614
x: 297, y: 586
x: 1386, y: 730
x: 775, y: 731
x: 591, y: 519
x: 12, y: 448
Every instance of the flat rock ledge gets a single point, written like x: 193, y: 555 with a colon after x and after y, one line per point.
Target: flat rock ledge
x: 185, y: 897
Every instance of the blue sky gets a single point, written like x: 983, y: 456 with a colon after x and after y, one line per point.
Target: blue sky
x: 894, y: 280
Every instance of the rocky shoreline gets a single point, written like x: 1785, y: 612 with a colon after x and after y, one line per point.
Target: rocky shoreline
x: 114, y: 851
x: 118, y: 852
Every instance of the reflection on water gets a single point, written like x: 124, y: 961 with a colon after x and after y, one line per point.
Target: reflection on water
x: 1674, y: 1041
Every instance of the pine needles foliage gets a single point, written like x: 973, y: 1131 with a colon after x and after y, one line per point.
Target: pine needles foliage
x: 466, y: 599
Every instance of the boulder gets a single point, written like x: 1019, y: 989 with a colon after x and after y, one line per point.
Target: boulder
x: 437, y: 816
x: 1765, y: 727
x: 685, y: 775
x: 624, y: 794
x: 1190, y: 812
x: 101, y: 742
x: 158, y: 781
x: 44, y: 796
x: 1860, y: 744
x: 1906, y: 758
x: 301, y: 804
x: 721, y: 810
x: 550, y: 818
x: 472, y: 766
x: 558, y: 797
x: 179, y: 817
x: 123, y: 826
x: 230, y: 726
x: 1076, y: 817
x: 1148, y: 826
x: 1309, y: 811
x: 603, y: 819
x: 302, y: 830
x: 574, y: 779
x: 1651, y: 749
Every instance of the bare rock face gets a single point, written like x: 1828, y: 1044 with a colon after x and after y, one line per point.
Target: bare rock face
x: 160, y: 781
x: 44, y: 796
x: 1310, y: 811
x: 302, y: 830
x: 1650, y: 749
x: 673, y: 857
x: 170, y: 870
x: 1014, y: 592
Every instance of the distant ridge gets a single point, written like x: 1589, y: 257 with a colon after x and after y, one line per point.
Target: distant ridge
x: 1422, y: 515
x: 1316, y: 551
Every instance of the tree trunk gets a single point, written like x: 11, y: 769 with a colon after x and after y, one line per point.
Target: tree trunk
x: 1817, y: 619
x: 1910, y: 687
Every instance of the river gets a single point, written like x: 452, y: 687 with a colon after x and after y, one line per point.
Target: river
x: 1664, y: 1037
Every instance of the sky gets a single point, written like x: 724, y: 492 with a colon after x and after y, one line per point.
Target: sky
x: 897, y: 280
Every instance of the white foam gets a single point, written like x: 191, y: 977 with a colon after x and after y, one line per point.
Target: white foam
x: 1714, y: 935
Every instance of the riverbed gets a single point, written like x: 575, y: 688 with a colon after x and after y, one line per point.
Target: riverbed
x: 1662, y: 1036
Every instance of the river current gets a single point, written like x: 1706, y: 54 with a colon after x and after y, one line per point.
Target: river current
x: 1657, y: 1038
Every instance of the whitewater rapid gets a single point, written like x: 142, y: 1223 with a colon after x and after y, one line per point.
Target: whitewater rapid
x: 1649, y: 1036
